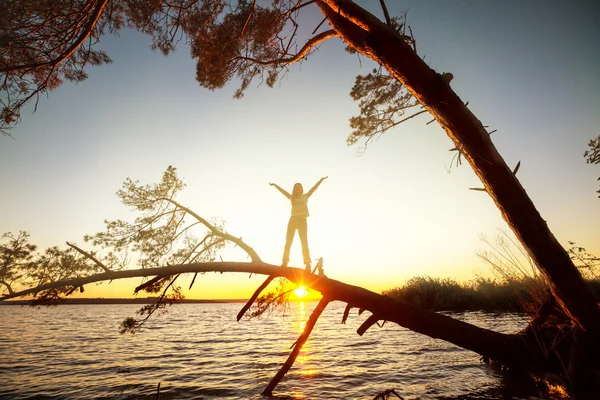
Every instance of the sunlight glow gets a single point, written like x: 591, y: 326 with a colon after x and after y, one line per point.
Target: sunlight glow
x: 301, y: 292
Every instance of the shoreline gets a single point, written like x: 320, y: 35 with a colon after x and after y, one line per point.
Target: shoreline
x: 109, y: 300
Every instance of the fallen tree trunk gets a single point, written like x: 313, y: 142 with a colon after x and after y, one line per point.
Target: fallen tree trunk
x: 509, y: 349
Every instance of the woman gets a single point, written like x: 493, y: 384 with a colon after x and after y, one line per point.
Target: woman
x: 297, y: 222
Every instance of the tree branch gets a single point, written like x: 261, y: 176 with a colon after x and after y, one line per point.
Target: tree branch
x: 385, y: 12
x: 10, y: 289
x: 351, y: 12
x: 369, y: 322
x: 91, y: 257
x: 252, y: 298
x: 321, y: 37
x: 310, y: 324
x: 249, y: 250
x: 71, y: 49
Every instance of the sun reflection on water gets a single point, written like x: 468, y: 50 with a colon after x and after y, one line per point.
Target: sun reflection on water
x: 303, y: 362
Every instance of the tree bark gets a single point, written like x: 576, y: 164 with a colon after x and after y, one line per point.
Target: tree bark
x: 381, y: 43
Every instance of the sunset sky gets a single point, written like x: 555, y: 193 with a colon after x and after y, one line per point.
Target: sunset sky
x: 529, y: 69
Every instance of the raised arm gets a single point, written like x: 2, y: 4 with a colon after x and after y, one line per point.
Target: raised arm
x: 312, y: 189
x: 286, y: 194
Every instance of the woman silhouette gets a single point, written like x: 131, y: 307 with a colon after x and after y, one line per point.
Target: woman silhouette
x: 297, y: 222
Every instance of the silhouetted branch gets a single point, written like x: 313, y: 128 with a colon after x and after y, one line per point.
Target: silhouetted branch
x: 256, y: 293
x: 248, y: 19
x: 369, y: 322
x: 321, y: 37
x: 90, y: 256
x: 148, y: 283
x: 386, y: 394
x: 238, y: 241
x: 346, y: 313
x: 310, y: 324
x: 385, y: 12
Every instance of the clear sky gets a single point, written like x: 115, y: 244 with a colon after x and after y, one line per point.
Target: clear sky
x: 529, y: 69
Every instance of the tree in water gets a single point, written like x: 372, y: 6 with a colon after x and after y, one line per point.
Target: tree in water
x: 43, y: 44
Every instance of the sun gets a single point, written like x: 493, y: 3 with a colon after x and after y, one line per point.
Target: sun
x: 301, y: 292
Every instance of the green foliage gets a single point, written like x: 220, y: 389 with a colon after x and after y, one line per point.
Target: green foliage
x: 593, y: 154
x: 164, y: 233
x: 480, y: 294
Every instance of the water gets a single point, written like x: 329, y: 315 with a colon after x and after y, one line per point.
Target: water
x: 199, y: 351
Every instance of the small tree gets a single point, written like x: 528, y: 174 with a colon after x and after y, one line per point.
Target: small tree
x: 16, y: 254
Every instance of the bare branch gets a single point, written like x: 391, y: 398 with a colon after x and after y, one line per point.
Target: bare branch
x: 248, y: 19
x: 256, y: 293
x: 321, y: 37
x: 91, y: 257
x: 346, y: 313
x: 385, y: 12
x: 369, y: 322
x: 310, y: 324
x: 249, y: 250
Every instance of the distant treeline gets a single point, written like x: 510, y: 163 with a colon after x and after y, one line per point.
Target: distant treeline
x: 481, y: 294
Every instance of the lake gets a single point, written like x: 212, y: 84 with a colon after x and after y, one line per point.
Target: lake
x: 199, y: 351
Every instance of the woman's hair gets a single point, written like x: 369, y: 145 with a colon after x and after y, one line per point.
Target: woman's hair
x: 297, y: 191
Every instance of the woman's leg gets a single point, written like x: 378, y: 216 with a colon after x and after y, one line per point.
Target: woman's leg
x: 303, y: 233
x: 289, y: 238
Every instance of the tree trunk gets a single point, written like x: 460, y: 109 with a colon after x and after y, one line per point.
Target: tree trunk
x: 380, y: 42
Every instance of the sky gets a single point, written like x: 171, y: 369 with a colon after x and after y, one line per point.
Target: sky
x: 387, y: 213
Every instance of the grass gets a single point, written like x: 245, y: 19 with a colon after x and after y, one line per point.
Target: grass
x: 523, y: 294
x: 518, y: 284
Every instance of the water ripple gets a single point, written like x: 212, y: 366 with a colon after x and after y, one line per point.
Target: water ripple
x: 198, y: 351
